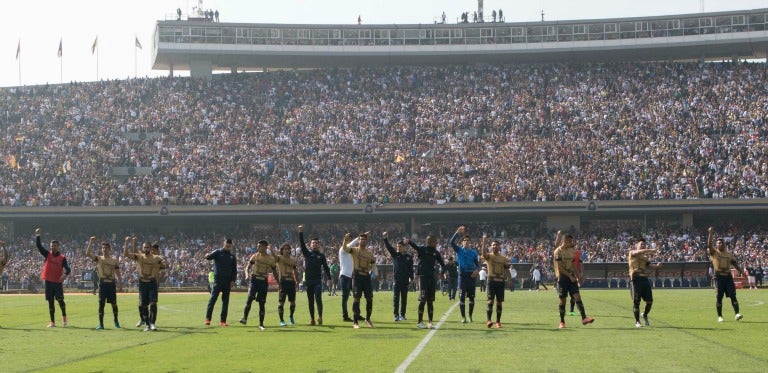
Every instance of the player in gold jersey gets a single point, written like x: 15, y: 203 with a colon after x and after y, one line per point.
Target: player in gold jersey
x: 5, y: 258
x: 567, y: 277
x: 258, y: 268
x: 149, y: 267
x: 640, y: 286
x: 365, y: 265
x: 722, y: 260
x: 498, y: 268
x: 109, y: 279
x: 286, y: 268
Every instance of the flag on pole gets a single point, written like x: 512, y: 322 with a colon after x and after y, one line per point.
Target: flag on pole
x: 95, y: 44
x: 138, y: 44
x: 59, y: 53
x: 18, y: 49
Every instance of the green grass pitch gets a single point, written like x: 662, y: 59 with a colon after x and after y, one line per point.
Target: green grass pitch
x: 684, y: 336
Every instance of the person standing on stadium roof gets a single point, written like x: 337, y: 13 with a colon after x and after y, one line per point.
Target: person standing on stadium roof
x: 722, y: 261
x: 314, y: 263
x: 402, y: 263
x: 498, y: 266
x: 428, y: 256
x: 365, y: 265
x: 257, y: 270
x: 288, y: 277
x: 109, y: 279
x: 148, y: 266
x: 469, y: 268
x: 567, y: 278
x: 640, y: 286
x: 224, y: 275
x: 55, y: 270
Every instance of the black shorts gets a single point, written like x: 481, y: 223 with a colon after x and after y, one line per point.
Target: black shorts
x: 566, y: 287
x: 428, y: 286
x: 287, y: 289
x: 363, y: 286
x: 496, y: 289
x: 725, y: 285
x: 258, y: 290
x: 147, y: 292
x: 640, y: 287
x: 54, y: 290
x: 467, y: 284
x: 107, y: 292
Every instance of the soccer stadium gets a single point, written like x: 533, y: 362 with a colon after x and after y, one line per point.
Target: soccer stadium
x: 621, y: 137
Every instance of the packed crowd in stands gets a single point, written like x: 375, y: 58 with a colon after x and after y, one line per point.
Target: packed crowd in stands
x: 185, y: 254
x: 481, y: 133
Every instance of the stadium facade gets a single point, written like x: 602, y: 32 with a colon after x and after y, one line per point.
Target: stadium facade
x: 205, y: 47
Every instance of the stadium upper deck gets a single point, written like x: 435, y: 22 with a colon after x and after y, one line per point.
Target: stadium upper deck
x: 203, y: 47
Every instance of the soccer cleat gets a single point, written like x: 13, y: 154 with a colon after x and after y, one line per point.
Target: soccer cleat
x: 319, y: 321
x: 572, y: 313
x: 429, y: 325
x: 356, y: 325
x: 207, y: 322
x: 347, y: 319
x: 243, y: 321
x: 638, y: 325
x: 64, y: 321
x: 587, y: 320
x: 498, y: 325
x: 489, y: 324
x: 463, y: 320
x: 561, y: 326
x: 369, y: 323
x: 291, y: 320
x: 146, y: 328
x: 152, y: 327
x: 421, y: 325
x: 470, y: 318
x: 141, y: 323
x: 262, y: 328
x: 402, y: 318
x: 645, y: 319
x: 51, y: 324
x: 282, y: 323
x: 100, y: 327
x: 223, y: 323
x: 397, y: 318
x: 738, y: 316
x: 719, y: 319
x: 117, y: 325
x: 312, y: 322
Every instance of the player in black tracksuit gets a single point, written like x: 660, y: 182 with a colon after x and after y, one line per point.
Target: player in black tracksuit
x: 428, y: 256
x: 314, y: 263
x: 402, y: 262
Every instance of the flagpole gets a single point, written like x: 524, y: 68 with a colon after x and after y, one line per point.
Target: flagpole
x: 97, y: 59
x: 135, y: 58
x: 18, y: 59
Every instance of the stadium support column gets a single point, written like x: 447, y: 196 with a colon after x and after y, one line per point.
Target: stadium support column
x: 233, y: 69
x: 734, y: 58
x: 687, y: 220
x: 170, y: 71
x: 201, y: 69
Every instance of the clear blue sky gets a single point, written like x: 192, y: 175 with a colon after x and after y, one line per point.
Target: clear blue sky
x: 38, y: 25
